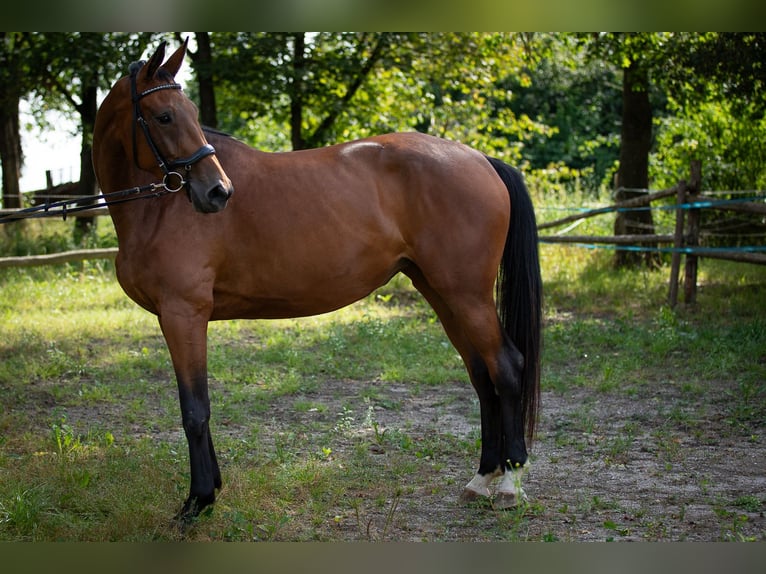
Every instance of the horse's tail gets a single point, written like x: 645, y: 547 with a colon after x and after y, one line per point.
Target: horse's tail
x: 519, y: 289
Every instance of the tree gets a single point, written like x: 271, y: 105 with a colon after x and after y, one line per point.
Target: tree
x: 639, y: 56
x: 202, y: 62
x: 455, y: 85
x: 305, y: 82
x: 716, y: 85
x: 711, y: 79
x: 74, y: 66
x: 16, y: 80
x: 301, y: 90
x: 579, y: 101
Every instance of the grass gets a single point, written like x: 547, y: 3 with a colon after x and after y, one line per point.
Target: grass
x: 90, y: 439
x: 72, y: 340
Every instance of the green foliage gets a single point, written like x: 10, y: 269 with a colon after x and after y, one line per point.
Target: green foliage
x: 728, y: 139
x: 579, y: 101
x: 40, y: 237
x: 549, y: 103
x: 351, y: 85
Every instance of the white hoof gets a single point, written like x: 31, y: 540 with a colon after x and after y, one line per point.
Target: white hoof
x: 505, y: 500
x: 509, y: 492
x: 478, y: 487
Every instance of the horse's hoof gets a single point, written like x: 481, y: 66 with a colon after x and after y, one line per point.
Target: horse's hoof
x: 468, y: 496
x: 506, y: 500
x: 192, y: 508
x: 479, y: 487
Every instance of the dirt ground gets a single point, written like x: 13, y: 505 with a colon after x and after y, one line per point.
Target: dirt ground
x: 604, y: 467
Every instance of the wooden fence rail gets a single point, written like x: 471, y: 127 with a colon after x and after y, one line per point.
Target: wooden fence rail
x: 685, y: 240
x: 54, y: 258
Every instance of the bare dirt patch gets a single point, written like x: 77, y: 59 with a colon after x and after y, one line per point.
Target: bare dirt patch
x: 605, y: 466
x: 663, y: 466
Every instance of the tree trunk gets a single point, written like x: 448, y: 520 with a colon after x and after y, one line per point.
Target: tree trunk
x: 203, y: 65
x: 88, y: 185
x: 296, y: 91
x: 633, y: 175
x: 10, y: 151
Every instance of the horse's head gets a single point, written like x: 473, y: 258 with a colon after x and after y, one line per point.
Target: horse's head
x: 148, y: 118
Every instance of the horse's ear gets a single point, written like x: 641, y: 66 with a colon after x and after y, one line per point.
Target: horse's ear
x: 174, y: 62
x: 155, y: 61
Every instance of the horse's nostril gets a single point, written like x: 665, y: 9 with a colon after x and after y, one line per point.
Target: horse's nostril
x: 219, y: 193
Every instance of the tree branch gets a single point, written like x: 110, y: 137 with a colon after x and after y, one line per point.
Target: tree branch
x: 377, y: 52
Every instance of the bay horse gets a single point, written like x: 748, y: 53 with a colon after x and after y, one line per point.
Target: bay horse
x: 308, y: 232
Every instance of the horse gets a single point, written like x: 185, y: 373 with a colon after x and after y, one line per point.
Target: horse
x: 55, y: 193
x: 266, y: 235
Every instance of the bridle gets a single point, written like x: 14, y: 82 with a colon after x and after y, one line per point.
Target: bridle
x: 168, y: 184
x: 168, y: 167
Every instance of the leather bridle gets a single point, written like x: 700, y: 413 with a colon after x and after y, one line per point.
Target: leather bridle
x: 168, y: 184
x: 168, y: 167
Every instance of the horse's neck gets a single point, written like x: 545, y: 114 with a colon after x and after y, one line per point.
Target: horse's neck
x: 136, y: 221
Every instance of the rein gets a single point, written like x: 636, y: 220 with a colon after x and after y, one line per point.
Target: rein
x: 62, y: 208
x: 167, y: 185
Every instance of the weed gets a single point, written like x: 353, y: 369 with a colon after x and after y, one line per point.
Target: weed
x: 618, y: 446
x: 22, y: 511
x: 747, y: 402
x: 64, y: 437
x: 345, y: 421
x: 366, y: 524
x: 514, y: 523
x: 613, y: 526
x: 732, y: 525
x: 270, y: 528
x: 749, y: 503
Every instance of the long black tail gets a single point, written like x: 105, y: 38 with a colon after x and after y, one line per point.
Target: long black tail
x: 519, y: 289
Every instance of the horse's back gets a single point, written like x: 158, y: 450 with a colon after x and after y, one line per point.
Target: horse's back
x: 400, y: 173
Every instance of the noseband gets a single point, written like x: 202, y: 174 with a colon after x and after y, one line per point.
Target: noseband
x: 168, y: 167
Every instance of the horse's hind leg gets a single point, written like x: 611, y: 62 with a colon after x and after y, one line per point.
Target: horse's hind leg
x: 485, y: 351
x: 496, y: 367
x: 186, y: 337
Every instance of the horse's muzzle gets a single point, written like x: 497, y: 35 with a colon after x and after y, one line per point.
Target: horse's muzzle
x: 214, y: 199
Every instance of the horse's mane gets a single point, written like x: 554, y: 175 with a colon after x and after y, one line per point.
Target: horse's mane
x: 209, y: 130
x: 216, y: 133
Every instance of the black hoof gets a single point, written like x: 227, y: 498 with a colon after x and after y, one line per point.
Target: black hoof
x: 192, y: 508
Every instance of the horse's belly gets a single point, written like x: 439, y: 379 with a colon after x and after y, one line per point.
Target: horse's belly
x: 280, y: 307
x: 299, y: 294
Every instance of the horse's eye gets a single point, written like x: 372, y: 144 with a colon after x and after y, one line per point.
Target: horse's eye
x: 164, y: 118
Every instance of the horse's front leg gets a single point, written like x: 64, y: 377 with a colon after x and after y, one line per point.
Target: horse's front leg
x: 186, y: 337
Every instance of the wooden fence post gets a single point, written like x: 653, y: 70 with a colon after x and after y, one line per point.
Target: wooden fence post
x: 692, y: 237
x: 678, y: 242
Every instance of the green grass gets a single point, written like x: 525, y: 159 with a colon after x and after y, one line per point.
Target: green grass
x: 90, y: 439
x: 611, y: 330
x: 72, y: 343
